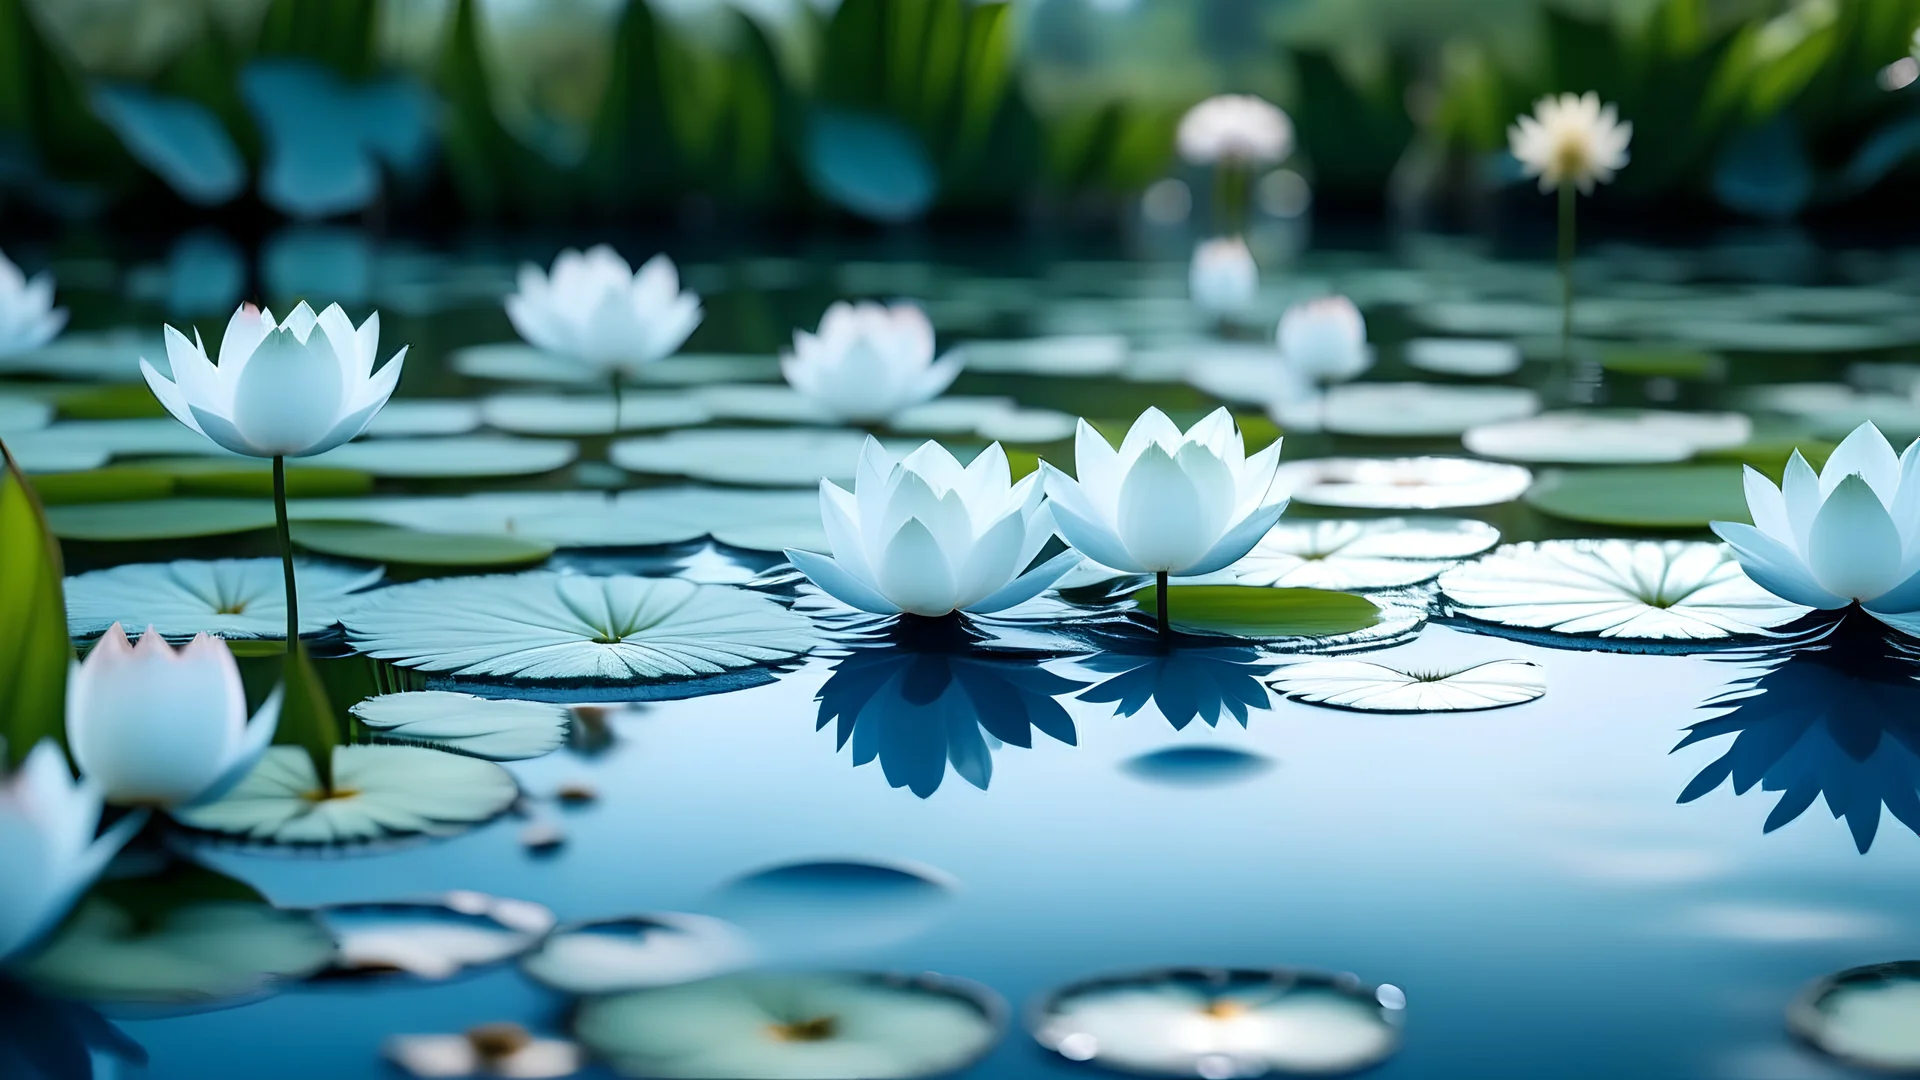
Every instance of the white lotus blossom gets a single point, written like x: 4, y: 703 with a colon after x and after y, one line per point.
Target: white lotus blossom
x: 1849, y: 534
x: 1325, y: 339
x: 1236, y: 128
x: 1167, y: 502
x: 279, y: 390
x: 925, y: 536
x: 1572, y: 139
x: 1223, y: 278
x: 596, y: 309
x: 869, y: 361
x: 47, y: 822
x: 28, y: 318
x: 153, y: 726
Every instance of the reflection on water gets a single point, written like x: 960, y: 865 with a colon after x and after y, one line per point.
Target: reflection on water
x: 832, y: 908
x: 1182, y: 682
x: 1839, y: 719
x: 42, y: 1038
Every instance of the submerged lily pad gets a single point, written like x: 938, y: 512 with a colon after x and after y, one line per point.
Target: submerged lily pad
x: 767, y: 457
x: 1627, y: 590
x: 549, y: 626
x: 1243, y: 611
x: 1418, y: 483
x: 492, y: 728
x: 1210, y: 1023
x: 1650, y: 497
x: 454, y: 456
x: 380, y: 792
x: 230, y: 598
x: 1609, y: 436
x: 1385, y: 553
x: 637, y: 952
x: 804, y: 1025
x: 432, y: 941
x: 1365, y: 687
x: 386, y: 544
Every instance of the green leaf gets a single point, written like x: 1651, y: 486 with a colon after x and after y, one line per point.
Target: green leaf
x: 160, y: 519
x: 307, y: 719
x: 343, y: 34
x: 115, y: 483
x: 1252, y: 612
x: 1678, y: 497
x: 35, y: 651
x: 387, y: 544
x: 254, y: 479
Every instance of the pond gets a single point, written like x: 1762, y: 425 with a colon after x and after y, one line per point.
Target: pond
x: 1602, y: 807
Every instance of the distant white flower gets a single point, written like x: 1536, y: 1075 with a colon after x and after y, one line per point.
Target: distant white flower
x: 868, y: 362
x: 923, y: 535
x: 1325, y: 339
x: 1237, y: 128
x: 1570, y: 139
x: 1183, y: 504
x: 158, y: 727
x: 279, y: 390
x: 594, y: 308
x: 1850, y: 534
x: 28, y: 318
x: 47, y: 821
x: 1223, y: 278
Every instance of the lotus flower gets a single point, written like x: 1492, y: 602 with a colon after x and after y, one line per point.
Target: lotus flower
x: 1325, y: 339
x: 868, y: 362
x: 1850, y: 534
x: 279, y: 390
x: 1166, y: 502
x: 153, y: 726
x: 925, y: 536
x: 595, y: 309
x: 1223, y: 278
x: 1235, y: 128
x: 47, y: 846
x: 1570, y: 139
x: 28, y: 318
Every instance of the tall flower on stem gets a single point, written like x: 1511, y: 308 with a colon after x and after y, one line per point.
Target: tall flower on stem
x: 1570, y: 142
x: 594, y: 308
x: 1234, y: 134
x: 1167, y: 503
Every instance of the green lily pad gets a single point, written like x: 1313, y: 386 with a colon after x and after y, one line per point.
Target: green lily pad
x: 387, y: 544
x: 1647, y: 362
x: 159, y: 519
x: 243, y: 479
x: 1253, y: 612
x: 1643, y: 497
x: 121, y: 402
x: 452, y: 456
x: 115, y: 483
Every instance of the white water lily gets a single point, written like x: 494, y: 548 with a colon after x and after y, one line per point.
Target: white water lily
x: 925, y: 536
x: 1223, y: 279
x: 153, y: 726
x: 1849, y: 534
x: 47, y: 822
x: 1167, y: 502
x: 28, y: 318
x: 279, y: 389
x: 1570, y: 139
x: 1237, y: 128
x: 869, y: 361
x: 595, y: 308
x: 1325, y: 339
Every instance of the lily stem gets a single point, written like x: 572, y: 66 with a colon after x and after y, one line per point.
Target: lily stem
x: 1160, y: 587
x: 615, y: 433
x: 286, y: 550
x: 1567, y: 195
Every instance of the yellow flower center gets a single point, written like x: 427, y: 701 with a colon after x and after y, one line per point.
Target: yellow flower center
x: 818, y: 1029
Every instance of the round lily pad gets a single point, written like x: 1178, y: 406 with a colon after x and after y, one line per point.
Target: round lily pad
x: 1385, y: 553
x: 640, y: 951
x: 386, y: 544
x: 425, y: 416
x: 1470, y: 357
x: 1405, y: 410
x: 1609, y: 436
x: 159, y: 519
x: 767, y: 457
x: 1366, y: 687
x: 1651, y: 497
x: 454, y: 456
x: 1244, y: 611
x: 432, y: 941
x: 230, y: 598
x: 1420, y: 483
x: 591, y: 414
x: 1070, y: 355
x: 497, y: 729
x: 1866, y: 1017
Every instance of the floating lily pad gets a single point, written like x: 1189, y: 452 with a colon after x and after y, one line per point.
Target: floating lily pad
x: 1210, y: 1023
x: 504, y: 1049
x: 633, y: 953
x: 432, y: 941
x: 455, y: 456
x: 491, y: 728
x: 1609, y: 436
x: 768, y: 457
x: 230, y: 598
x: 1080, y: 355
x: 1241, y: 611
x: 1627, y: 590
x: 804, y: 1025
x: 548, y: 626
x: 386, y: 544
x: 591, y: 414
x: 104, y: 355
x: 1867, y: 1017
x: 1385, y: 553
x: 516, y: 362
x: 765, y: 404
x: 1420, y: 483
x: 1478, y: 358
x: 1651, y: 497
x: 1405, y: 410
x: 1365, y: 687
x: 111, y: 484
x: 159, y: 519
x: 380, y: 792
x: 18, y: 414
x: 1245, y: 373
x: 37, y: 455
x: 425, y: 416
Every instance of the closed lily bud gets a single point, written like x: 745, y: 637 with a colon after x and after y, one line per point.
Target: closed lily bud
x: 1223, y: 278
x: 1325, y: 340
